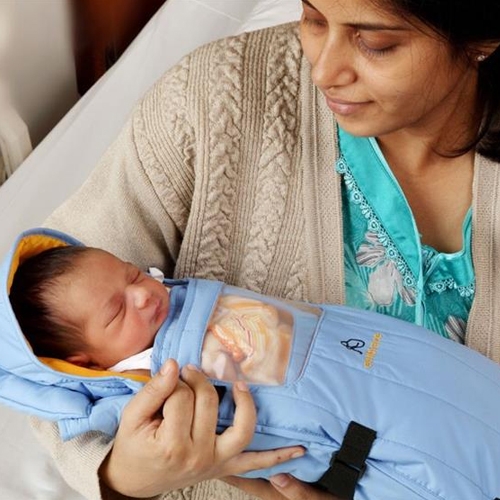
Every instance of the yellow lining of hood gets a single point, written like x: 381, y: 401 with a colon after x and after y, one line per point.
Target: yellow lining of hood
x: 28, y: 247
x: 71, y: 369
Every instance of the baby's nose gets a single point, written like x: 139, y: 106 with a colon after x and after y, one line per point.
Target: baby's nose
x: 141, y: 297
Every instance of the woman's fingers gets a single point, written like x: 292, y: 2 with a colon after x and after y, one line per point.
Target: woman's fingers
x: 206, y: 406
x: 292, y: 489
x: 259, y: 488
x: 178, y: 414
x: 237, y: 437
x: 183, y: 444
x: 253, y: 460
x: 145, y: 405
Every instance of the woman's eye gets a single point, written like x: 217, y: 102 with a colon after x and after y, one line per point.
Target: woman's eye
x: 317, y: 23
x: 312, y: 18
x: 374, y: 49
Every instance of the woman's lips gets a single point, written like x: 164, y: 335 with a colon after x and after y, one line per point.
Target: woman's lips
x: 345, y: 108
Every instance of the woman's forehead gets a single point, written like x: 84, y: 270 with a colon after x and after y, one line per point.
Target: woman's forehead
x: 380, y: 13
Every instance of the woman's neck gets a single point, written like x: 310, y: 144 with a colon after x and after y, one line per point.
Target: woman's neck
x: 437, y: 188
x: 439, y: 138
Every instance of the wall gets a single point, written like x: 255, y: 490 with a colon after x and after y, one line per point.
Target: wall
x: 36, y: 61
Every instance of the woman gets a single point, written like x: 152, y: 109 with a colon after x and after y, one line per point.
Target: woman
x: 233, y: 167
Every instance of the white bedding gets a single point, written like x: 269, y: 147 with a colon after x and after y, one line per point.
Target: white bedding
x: 64, y: 159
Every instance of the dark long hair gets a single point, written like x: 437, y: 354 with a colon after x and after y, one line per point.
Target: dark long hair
x: 34, y: 295
x: 465, y: 24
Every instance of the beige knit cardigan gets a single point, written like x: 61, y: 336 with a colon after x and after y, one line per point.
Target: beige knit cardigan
x: 225, y: 170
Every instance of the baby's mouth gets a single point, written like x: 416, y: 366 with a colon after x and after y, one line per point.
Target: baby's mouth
x: 161, y: 312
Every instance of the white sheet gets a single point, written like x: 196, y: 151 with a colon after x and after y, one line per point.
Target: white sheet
x: 64, y: 159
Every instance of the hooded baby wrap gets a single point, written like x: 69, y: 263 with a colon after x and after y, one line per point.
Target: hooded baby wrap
x: 389, y: 409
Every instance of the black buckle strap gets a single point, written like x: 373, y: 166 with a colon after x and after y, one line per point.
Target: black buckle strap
x: 347, y: 466
x: 221, y: 391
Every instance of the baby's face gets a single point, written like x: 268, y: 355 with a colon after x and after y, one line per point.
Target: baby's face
x: 118, y: 307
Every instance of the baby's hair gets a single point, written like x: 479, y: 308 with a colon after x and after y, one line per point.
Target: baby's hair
x: 34, y: 295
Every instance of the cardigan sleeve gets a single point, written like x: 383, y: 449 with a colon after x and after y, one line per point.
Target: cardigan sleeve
x: 79, y: 459
x: 131, y: 204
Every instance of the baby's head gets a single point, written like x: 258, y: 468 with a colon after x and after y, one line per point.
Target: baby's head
x: 86, y: 306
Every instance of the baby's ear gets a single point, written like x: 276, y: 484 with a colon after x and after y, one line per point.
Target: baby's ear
x: 79, y: 359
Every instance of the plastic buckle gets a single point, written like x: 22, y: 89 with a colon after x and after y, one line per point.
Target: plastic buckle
x: 358, y: 471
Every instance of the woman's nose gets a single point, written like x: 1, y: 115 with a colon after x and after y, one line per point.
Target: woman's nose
x: 333, y: 66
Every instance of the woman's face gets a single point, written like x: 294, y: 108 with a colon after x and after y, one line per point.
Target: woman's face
x: 382, y: 74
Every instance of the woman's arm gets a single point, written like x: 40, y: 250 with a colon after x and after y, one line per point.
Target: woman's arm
x: 78, y: 460
x: 122, y: 208
x: 117, y: 209
x: 136, y: 202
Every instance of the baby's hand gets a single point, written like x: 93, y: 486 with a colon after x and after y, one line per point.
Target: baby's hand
x: 167, y: 440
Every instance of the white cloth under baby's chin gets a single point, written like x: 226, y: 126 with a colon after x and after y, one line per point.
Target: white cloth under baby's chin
x: 140, y: 361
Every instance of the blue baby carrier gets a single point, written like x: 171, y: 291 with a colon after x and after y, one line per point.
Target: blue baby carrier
x: 385, y: 409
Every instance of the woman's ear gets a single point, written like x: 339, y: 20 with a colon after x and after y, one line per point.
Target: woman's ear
x: 79, y: 359
x: 480, y: 52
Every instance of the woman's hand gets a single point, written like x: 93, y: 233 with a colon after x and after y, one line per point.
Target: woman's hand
x: 167, y: 440
x: 281, y: 487
x: 292, y: 489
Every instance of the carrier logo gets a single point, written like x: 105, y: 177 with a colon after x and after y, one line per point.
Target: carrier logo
x: 357, y: 345
x: 372, y: 350
x: 354, y: 345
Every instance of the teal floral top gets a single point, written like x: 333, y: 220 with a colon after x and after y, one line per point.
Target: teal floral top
x: 388, y: 269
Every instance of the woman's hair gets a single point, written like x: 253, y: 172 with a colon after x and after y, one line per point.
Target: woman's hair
x: 465, y: 24
x: 35, y: 290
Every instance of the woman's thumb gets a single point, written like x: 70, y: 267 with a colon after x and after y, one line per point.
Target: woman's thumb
x: 145, y: 405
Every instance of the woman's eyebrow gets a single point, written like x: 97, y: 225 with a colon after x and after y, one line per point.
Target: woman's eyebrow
x: 309, y: 4
x: 376, y: 27
x: 365, y: 26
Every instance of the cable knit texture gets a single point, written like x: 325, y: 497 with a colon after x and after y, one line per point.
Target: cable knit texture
x: 225, y: 170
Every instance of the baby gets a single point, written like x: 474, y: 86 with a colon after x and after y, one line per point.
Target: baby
x: 377, y: 403
x: 88, y: 307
